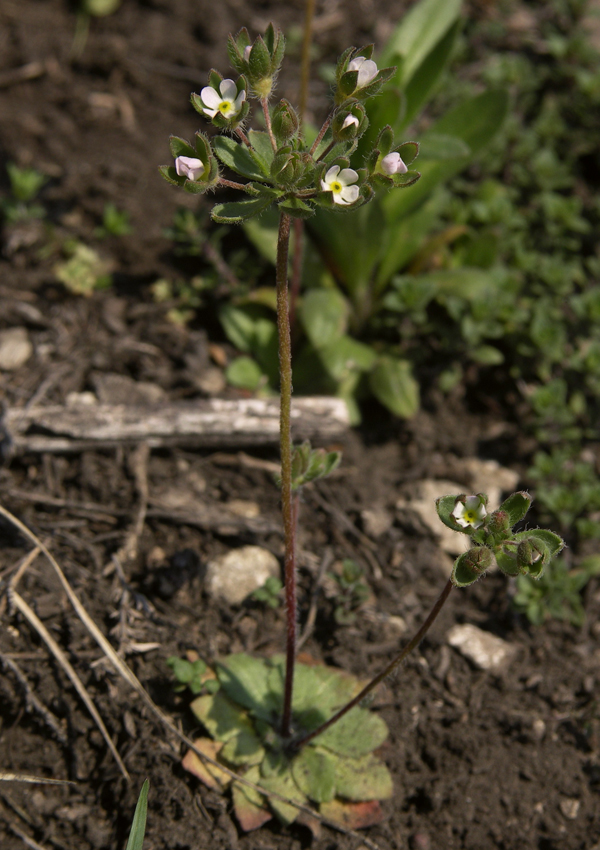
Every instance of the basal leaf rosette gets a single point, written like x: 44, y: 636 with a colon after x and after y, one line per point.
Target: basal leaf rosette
x: 339, y: 771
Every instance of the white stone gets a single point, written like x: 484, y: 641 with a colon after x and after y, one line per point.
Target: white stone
x: 233, y: 576
x: 423, y: 504
x: 15, y: 349
x: 376, y: 521
x: 482, y: 648
x: 569, y: 806
x: 487, y: 476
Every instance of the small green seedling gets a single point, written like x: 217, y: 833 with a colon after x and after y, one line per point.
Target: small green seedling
x: 84, y: 272
x: 115, y: 222
x: 556, y: 594
x: 25, y: 184
x: 270, y: 592
x: 192, y: 674
x: 352, y: 591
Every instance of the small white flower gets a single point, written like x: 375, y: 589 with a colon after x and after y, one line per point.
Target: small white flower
x: 247, y: 52
x: 190, y: 167
x: 339, y: 182
x: 471, y: 512
x: 367, y: 70
x: 393, y: 164
x: 225, y: 101
x: 349, y: 120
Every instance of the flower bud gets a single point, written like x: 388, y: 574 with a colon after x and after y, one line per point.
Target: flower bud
x: 349, y: 125
x: 393, y: 164
x: 284, y: 121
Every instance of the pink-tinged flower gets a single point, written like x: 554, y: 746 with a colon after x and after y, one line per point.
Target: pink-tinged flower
x: 247, y: 52
x: 190, y: 167
x: 367, y: 70
x: 393, y: 164
x: 225, y: 101
x: 470, y: 512
x: 349, y: 120
x: 339, y: 183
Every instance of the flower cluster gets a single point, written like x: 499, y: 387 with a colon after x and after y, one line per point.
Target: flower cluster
x: 277, y: 165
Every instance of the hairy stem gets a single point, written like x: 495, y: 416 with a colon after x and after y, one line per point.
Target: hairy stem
x: 322, y: 132
x: 231, y: 184
x: 265, y: 107
x: 285, y: 440
x: 416, y: 640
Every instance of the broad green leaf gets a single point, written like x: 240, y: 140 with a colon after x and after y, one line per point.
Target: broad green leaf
x: 444, y: 507
x: 475, y: 121
x: 462, y: 574
x: 221, y: 716
x: 245, y: 680
x: 355, y: 734
x: 138, y: 826
x: 244, y: 372
x: 324, y: 315
x: 314, y: 771
x: 366, y: 778
x: 441, y: 146
x: 262, y: 232
x: 234, y: 212
x: 345, y: 356
x: 554, y: 543
x: 250, y: 807
x: 507, y: 563
x: 244, y: 748
x: 393, y: 384
x: 237, y: 157
x: 350, y: 245
x: 487, y: 355
x: 283, y: 783
x: 516, y: 506
x: 179, y: 147
x: 420, y: 30
x: 423, y: 82
x: 239, y: 324
x: 262, y: 148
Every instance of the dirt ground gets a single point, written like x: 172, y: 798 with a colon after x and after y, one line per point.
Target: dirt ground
x: 480, y: 760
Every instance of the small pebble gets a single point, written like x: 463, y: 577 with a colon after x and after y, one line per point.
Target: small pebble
x: 485, y: 650
x: 233, y: 576
x: 15, y: 349
x: 569, y: 806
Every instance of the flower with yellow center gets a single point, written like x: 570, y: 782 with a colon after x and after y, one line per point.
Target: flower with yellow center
x: 469, y: 512
x: 225, y: 101
x: 339, y: 182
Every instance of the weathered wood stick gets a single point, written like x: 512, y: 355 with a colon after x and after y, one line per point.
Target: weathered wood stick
x: 213, y: 422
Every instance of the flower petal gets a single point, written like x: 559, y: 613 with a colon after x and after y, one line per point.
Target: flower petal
x: 349, y: 194
x: 332, y: 173
x: 228, y: 90
x: 347, y: 176
x: 210, y: 97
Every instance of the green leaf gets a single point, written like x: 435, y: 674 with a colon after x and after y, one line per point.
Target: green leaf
x: 314, y: 771
x: 235, y: 212
x: 420, y: 30
x: 476, y: 121
x: 462, y: 574
x: 444, y: 507
x: 324, y: 315
x: 179, y: 147
x: 283, y: 783
x: 237, y: 157
x: 244, y: 372
x: 246, y: 680
x: 262, y: 149
x: 487, y: 355
x: 346, y: 355
x: 244, y: 748
x: 393, y: 384
x: 297, y: 208
x: 442, y: 146
x: 250, y: 807
x: 138, y: 826
x: 516, y: 506
x: 552, y: 541
x: 221, y: 716
x: 366, y: 778
x: 423, y: 82
x: 356, y: 733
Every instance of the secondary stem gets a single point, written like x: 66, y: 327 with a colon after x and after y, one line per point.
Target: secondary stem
x: 416, y: 640
x: 265, y: 106
x: 285, y: 440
